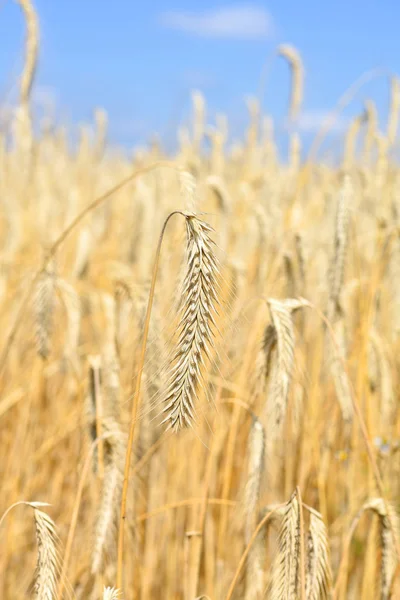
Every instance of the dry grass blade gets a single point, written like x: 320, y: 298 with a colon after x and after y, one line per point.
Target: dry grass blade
x: 285, y: 575
x: 196, y: 326
x: 318, y: 577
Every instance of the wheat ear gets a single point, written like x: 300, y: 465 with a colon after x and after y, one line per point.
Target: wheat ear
x: 393, y: 120
x: 319, y: 577
x: 44, y: 587
x: 338, y: 263
x: 43, y: 306
x: 111, y: 593
x: 107, y: 518
x: 196, y: 325
x: 285, y: 575
x: 282, y: 368
x: 297, y: 70
x: 389, y: 522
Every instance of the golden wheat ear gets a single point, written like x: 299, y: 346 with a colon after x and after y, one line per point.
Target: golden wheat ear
x: 111, y: 593
x: 389, y: 524
x: 319, y: 576
x: 285, y: 573
x: 45, y: 580
x: 196, y: 329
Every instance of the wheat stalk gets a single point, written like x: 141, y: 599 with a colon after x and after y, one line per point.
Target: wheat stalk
x: 254, y: 571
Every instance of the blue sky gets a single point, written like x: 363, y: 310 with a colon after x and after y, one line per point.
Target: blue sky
x: 139, y: 60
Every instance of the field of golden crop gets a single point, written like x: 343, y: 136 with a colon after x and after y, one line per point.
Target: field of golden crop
x: 199, y: 362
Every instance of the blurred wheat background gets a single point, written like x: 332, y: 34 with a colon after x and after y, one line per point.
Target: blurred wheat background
x: 235, y: 394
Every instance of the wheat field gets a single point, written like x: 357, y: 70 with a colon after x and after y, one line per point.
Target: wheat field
x: 199, y: 360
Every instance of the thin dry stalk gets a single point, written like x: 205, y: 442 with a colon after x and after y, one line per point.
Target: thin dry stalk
x: 254, y: 567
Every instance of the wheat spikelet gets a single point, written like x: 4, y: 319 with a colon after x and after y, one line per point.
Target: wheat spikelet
x: 43, y: 306
x: 254, y: 571
x: 44, y: 587
x: 111, y: 492
x: 338, y: 263
x: 318, y: 577
x: 389, y: 527
x: 111, y: 593
x: 285, y: 574
x: 297, y: 70
x: 195, y: 330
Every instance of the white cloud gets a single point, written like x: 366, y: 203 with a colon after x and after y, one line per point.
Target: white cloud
x: 313, y: 120
x: 239, y: 22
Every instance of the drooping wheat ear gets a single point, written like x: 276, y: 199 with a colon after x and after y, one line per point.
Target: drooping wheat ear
x: 254, y: 571
x: 199, y: 116
x: 124, y: 310
x: 218, y: 186
x: 389, y: 535
x: 298, y: 239
x: 111, y: 366
x: 295, y: 152
x: 44, y: 587
x: 263, y: 362
x: 350, y: 140
x: 43, y: 306
x: 100, y: 117
x: 282, y: 367
x: 31, y: 49
x: 253, y: 107
x: 338, y: 354
x: 196, y: 325
x: 188, y: 190
x: 319, y: 576
x: 107, y: 518
x: 384, y: 379
x: 111, y: 594
x: 72, y: 306
x: 285, y: 573
x: 338, y: 263
x: 393, y: 120
x: 297, y: 70
x: 371, y: 116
